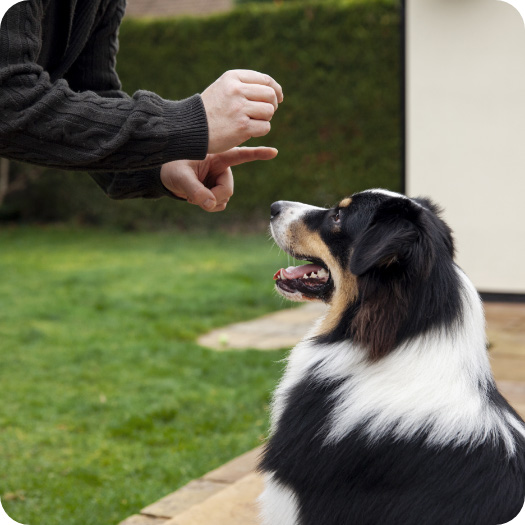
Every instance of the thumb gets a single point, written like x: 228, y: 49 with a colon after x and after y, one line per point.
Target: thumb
x: 195, y: 192
x: 201, y: 196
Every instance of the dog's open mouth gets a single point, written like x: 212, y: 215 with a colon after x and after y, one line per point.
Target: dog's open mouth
x: 309, y: 281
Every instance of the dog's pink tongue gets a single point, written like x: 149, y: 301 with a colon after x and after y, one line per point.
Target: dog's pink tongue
x: 297, y: 272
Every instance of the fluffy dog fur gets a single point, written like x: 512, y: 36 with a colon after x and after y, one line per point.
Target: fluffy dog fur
x: 387, y: 413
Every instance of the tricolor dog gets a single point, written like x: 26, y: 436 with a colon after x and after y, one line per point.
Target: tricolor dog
x: 388, y: 413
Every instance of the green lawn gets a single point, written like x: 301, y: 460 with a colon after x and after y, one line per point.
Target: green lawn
x: 108, y: 403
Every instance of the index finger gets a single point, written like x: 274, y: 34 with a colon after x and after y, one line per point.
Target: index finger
x: 254, y: 77
x: 236, y: 156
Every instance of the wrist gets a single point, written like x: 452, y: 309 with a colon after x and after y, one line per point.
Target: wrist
x: 166, y: 179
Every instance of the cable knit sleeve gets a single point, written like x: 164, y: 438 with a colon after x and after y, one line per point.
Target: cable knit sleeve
x: 95, y: 67
x: 95, y: 70
x: 64, y: 126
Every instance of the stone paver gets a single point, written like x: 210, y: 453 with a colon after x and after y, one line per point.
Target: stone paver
x: 141, y: 519
x: 186, y: 497
x: 227, y: 495
x: 273, y: 331
x: 514, y: 393
x: 236, y: 468
x: 506, y: 329
x: 235, y: 505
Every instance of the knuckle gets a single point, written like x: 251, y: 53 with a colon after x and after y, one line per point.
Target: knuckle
x: 244, y: 123
x: 238, y: 108
x: 235, y: 88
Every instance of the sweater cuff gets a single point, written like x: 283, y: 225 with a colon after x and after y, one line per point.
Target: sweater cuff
x: 187, y: 127
x: 145, y: 184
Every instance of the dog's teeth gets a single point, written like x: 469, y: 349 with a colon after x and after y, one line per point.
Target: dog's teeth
x: 305, y: 276
x: 313, y: 276
x: 322, y: 273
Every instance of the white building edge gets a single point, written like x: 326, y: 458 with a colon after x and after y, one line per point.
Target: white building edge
x: 465, y: 130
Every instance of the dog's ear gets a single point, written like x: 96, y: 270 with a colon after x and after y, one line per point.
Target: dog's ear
x: 386, y: 258
x: 382, y: 245
x: 391, y: 240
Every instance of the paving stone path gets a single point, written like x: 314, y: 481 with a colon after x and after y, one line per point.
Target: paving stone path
x: 283, y: 329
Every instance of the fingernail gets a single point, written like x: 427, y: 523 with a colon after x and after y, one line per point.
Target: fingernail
x: 209, y: 204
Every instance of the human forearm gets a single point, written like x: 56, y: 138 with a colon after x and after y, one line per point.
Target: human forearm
x: 83, y: 131
x: 48, y: 123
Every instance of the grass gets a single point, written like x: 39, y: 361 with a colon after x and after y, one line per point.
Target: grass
x: 108, y: 403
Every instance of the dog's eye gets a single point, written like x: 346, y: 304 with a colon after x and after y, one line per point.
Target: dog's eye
x: 335, y: 218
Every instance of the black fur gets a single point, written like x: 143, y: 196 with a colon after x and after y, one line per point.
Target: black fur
x: 391, y: 482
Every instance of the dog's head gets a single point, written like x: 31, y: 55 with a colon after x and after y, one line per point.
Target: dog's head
x: 383, y: 262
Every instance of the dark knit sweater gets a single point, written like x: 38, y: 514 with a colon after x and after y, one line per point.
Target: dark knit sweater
x: 61, y: 103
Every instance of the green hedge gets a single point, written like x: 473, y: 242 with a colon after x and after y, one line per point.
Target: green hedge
x: 337, y: 131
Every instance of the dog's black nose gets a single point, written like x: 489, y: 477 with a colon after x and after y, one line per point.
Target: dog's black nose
x: 275, y: 209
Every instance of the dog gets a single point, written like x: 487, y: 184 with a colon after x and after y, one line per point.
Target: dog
x: 387, y: 413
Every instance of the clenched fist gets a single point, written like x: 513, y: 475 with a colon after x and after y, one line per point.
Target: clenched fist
x: 239, y: 105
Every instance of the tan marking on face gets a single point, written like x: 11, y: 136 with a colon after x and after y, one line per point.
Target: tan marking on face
x: 345, y: 202
x: 310, y: 244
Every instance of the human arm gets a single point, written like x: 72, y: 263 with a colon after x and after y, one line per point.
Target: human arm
x: 233, y: 103
x: 240, y: 105
x: 46, y: 122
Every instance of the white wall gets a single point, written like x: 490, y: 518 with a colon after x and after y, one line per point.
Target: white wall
x: 466, y: 130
